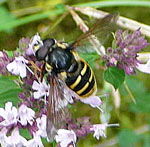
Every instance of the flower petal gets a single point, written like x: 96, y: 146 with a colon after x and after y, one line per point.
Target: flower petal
x: 41, y: 124
x: 35, y: 40
x: 65, y: 137
x: 26, y: 115
x: 9, y: 114
x: 93, y: 101
x: 41, y: 89
x: 18, y: 66
x: 144, y: 67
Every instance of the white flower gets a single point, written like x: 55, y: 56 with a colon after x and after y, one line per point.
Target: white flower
x: 41, y: 124
x: 26, y: 115
x: 18, y: 66
x: 144, y: 58
x: 3, y: 136
x: 9, y: 114
x: 35, y: 142
x: 99, y: 129
x: 144, y: 67
x: 41, y: 89
x: 93, y: 101
x: 36, y: 40
x: 14, y: 140
x: 65, y: 137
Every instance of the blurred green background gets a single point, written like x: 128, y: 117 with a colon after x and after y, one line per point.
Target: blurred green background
x: 24, y: 18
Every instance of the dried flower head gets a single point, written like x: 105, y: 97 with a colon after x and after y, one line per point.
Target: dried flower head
x: 23, y: 44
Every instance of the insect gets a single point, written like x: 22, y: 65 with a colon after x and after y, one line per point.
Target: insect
x: 66, y: 69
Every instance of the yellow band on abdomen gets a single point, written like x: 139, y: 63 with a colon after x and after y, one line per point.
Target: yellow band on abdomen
x: 76, y: 82
x: 83, y: 89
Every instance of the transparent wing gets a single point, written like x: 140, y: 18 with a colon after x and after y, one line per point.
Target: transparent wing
x: 57, y: 102
x: 97, y: 35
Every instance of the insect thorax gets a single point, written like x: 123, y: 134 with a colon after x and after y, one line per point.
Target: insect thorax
x: 60, y: 59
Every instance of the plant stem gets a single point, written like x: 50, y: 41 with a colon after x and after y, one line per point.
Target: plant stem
x: 96, y: 4
x: 129, y: 92
x: 27, y: 11
x: 121, y: 21
x: 55, y: 24
x: 99, y: 4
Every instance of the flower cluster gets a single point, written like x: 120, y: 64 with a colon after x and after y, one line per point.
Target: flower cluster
x: 30, y: 114
x: 123, y: 54
x: 13, y: 119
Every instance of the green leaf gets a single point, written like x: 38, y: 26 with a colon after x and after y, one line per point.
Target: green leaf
x: 10, y: 53
x: 128, y: 138
x: 44, y: 140
x: 25, y: 133
x: 114, y: 76
x: 8, y: 90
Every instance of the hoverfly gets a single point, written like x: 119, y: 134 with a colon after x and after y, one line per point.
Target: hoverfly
x: 66, y: 69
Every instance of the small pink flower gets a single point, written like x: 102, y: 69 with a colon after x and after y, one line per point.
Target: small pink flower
x: 99, y: 129
x: 93, y: 101
x: 14, y: 140
x: 113, y: 61
x: 36, y: 40
x: 18, y: 66
x: 9, y: 115
x: 41, y: 124
x: 41, y: 89
x: 123, y: 54
x: 65, y: 137
x: 3, y: 136
x: 26, y: 115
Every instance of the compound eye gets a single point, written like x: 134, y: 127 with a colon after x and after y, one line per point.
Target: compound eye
x: 48, y: 43
x: 42, y: 48
x: 41, y: 53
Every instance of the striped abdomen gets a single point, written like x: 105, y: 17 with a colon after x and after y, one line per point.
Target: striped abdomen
x: 81, y: 79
